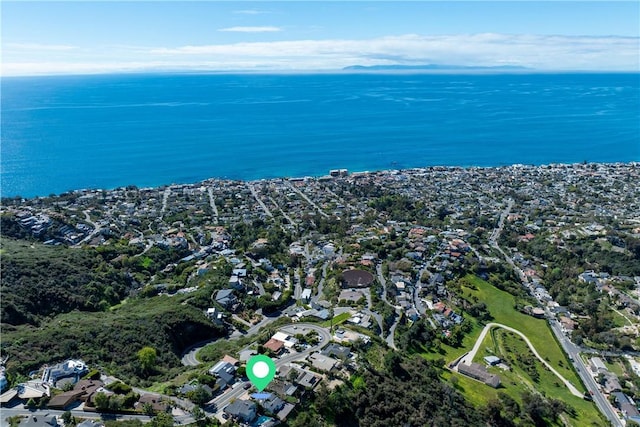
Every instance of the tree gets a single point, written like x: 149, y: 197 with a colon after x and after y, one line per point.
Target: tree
x: 67, y: 418
x: 147, y: 357
x: 162, y: 420
x: 101, y: 401
x: 199, y: 396
x: 147, y: 409
x: 197, y: 413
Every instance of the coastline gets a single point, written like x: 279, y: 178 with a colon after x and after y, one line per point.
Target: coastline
x: 339, y: 174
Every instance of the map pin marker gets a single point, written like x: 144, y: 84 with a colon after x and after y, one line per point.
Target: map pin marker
x: 260, y: 371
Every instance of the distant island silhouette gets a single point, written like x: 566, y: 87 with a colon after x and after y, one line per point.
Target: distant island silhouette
x: 434, y: 67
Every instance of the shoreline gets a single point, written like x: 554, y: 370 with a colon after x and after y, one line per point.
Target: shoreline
x: 348, y: 173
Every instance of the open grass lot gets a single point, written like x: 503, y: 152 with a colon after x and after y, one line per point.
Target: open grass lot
x: 340, y: 318
x: 527, y: 373
x: 449, y: 353
x: 508, y: 345
x: 501, y: 307
x: 616, y: 366
x: 619, y: 320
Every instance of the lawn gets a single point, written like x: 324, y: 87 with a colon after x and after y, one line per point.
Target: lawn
x: 516, y: 380
x: 520, y: 376
x: 340, y: 318
x: 449, y: 353
x: 617, y: 367
x: 501, y: 306
x: 619, y: 320
x: 508, y: 346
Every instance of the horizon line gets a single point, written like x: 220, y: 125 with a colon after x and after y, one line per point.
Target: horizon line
x: 455, y: 69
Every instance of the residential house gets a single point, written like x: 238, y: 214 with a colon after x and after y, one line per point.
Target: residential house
x: 282, y: 388
x: 288, y: 340
x: 39, y: 421
x: 82, y: 391
x: 71, y: 369
x: 274, y: 345
x: 215, y: 315
x: 272, y: 403
x: 413, y: 314
x: 492, y: 360
x: 323, y: 363
x: 306, y: 294
x: 611, y: 383
x: 240, y: 272
x: 336, y: 350
x: 625, y: 404
x: 33, y: 390
x: 156, y: 402
x: 236, y: 283
x: 224, y: 371
x: 480, y: 373
x: 242, y: 410
x: 192, y: 386
x: 226, y: 298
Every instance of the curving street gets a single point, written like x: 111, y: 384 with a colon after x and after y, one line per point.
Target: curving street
x: 237, y: 391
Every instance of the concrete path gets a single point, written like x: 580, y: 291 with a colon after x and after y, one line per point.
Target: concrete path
x: 468, y: 358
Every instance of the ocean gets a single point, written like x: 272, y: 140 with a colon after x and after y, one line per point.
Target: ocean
x: 63, y: 133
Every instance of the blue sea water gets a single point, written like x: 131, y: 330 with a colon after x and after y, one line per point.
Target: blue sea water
x: 70, y: 132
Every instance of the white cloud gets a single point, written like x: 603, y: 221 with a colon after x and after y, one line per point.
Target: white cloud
x: 251, y: 12
x: 251, y: 29
x: 545, y: 52
x: 534, y: 51
x: 39, y: 46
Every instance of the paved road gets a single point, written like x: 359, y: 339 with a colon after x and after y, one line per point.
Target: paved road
x: 259, y: 200
x: 467, y: 359
x: 571, y: 349
x: 495, y: 234
x: 283, y: 212
x: 165, y: 199
x: 212, y: 203
x: 383, y: 282
x: 574, y: 354
x: 189, y: 356
x: 96, y: 228
x: 297, y: 289
x: 12, y: 412
x: 370, y: 312
x: 417, y: 302
x: 304, y: 196
x: 234, y: 393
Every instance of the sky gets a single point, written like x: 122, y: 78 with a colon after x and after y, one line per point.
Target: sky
x: 79, y: 37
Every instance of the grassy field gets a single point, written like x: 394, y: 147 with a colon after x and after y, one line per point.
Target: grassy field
x: 506, y: 345
x: 449, y: 353
x: 501, y: 307
x: 340, y: 318
x: 617, y: 367
x: 619, y: 320
x: 519, y: 378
